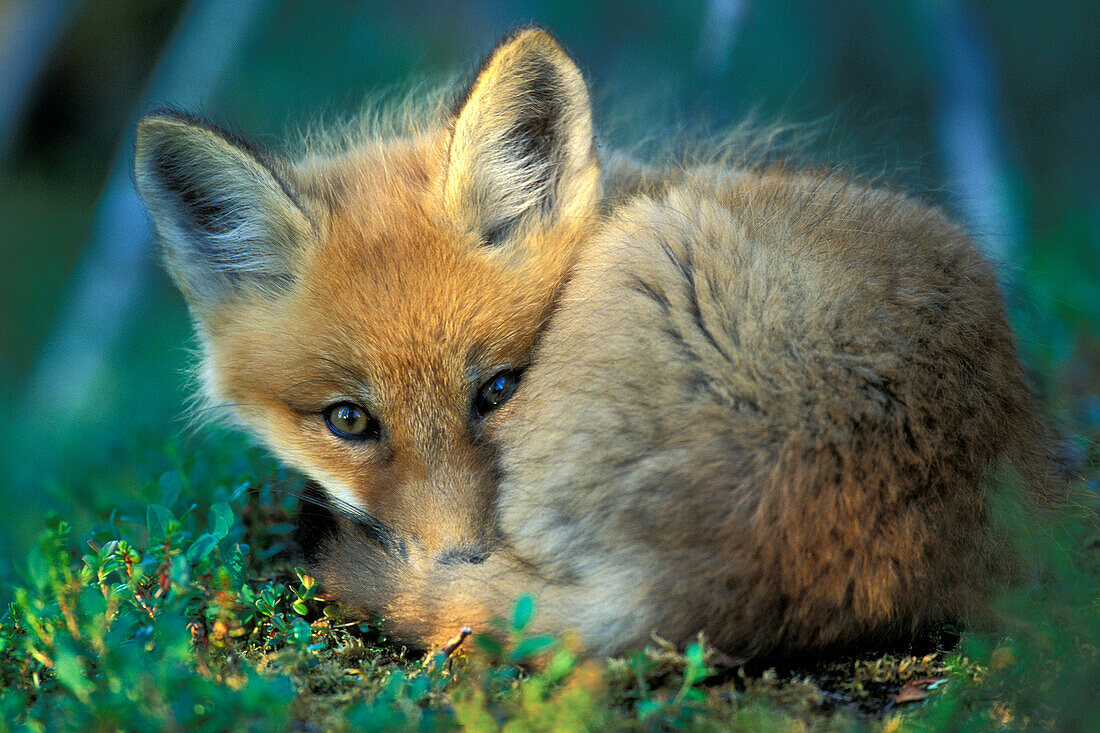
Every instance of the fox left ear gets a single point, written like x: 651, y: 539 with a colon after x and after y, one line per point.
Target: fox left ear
x: 226, y: 219
x: 523, y: 152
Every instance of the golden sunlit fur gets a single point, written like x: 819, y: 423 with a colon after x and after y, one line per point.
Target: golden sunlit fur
x: 762, y: 403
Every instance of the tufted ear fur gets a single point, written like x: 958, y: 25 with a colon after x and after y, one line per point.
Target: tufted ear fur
x: 522, y: 154
x: 226, y: 218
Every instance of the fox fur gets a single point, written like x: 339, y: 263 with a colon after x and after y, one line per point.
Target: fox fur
x: 759, y: 402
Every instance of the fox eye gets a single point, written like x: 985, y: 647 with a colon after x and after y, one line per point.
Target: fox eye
x: 350, y: 421
x: 495, y: 392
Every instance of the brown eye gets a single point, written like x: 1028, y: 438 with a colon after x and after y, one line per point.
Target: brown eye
x: 350, y: 421
x: 498, y: 390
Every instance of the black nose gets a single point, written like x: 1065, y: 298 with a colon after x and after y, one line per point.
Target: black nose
x: 473, y: 554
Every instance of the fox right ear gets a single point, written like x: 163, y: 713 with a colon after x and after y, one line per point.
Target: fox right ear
x: 522, y: 152
x: 226, y: 218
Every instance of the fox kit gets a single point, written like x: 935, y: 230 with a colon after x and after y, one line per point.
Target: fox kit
x: 761, y: 403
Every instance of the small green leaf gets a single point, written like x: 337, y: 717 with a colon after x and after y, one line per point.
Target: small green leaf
x: 308, y: 581
x: 221, y: 519
x: 695, y: 655
x: 157, y: 518
x: 560, y: 665
x: 531, y: 647
x: 299, y: 632
x: 234, y: 561
x: 300, y: 608
x: 171, y: 484
x: 201, y: 547
x: 69, y: 670
x: 180, y: 570
x: 490, y: 645
x: 525, y: 609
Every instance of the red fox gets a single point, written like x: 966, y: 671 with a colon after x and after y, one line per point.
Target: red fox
x: 757, y: 402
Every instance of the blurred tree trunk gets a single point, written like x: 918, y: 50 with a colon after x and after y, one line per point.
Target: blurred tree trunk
x: 114, y: 272
x: 722, y: 23
x: 29, y: 31
x: 968, y: 122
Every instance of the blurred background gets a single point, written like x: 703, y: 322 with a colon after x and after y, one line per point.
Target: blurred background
x: 992, y: 108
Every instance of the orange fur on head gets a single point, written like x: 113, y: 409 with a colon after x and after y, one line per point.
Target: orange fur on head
x: 758, y: 402
x: 398, y: 275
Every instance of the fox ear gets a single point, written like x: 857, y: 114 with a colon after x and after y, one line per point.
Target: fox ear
x: 523, y: 150
x: 226, y: 218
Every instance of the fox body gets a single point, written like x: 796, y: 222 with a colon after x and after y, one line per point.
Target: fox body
x: 760, y: 402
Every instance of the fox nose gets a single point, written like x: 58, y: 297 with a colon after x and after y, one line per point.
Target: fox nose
x: 473, y: 554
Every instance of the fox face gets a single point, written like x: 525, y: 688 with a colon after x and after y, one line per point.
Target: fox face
x: 365, y: 314
x: 762, y: 403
